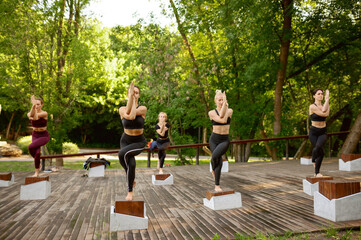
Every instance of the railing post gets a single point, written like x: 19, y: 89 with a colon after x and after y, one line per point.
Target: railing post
x: 199, y: 139
x: 98, y: 155
x: 287, y: 145
x: 329, y: 146
x: 148, y: 160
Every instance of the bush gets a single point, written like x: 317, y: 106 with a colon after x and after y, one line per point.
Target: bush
x: 23, y: 143
x: 70, y: 148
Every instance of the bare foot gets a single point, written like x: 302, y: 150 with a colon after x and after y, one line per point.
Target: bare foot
x: 160, y: 170
x: 129, y: 197
x: 36, y: 174
x: 319, y: 175
x: 217, y: 188
x: 134, y: 183
x: 213, y: 174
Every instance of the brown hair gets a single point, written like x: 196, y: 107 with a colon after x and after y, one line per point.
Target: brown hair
x: 41, y: 100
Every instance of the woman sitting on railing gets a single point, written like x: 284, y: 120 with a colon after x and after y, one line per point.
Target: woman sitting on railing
x: 219, y: 140
x: 162, y: 140
x: 317, y: 134
x: 40, y: 135
x: 132, y: 141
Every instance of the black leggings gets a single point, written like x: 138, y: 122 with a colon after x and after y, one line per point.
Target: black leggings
x: 318, y: 138
x: 219, y: 145
x: 130, y: 147
x: 162, y: 145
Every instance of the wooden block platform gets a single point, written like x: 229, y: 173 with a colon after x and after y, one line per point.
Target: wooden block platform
x: 333, y: 189
x: 5, y: 176
x: 318, y: 179
x: 133, y: 208
x: 95, y: 164
x: 210, y: 194
x: 350, y: 157
x: 161, y: 176
x: 30, y: 180
x: 309, y: 157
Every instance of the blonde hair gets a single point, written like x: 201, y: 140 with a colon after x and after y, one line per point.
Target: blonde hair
x: 166, y: 117
x: 218, y: 92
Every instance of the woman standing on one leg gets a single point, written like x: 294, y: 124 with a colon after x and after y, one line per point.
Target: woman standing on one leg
x: 40, y: 135
x: 219, y: 140
x: 317, y: 134
x: 162, y: 140
x: 132, y: 141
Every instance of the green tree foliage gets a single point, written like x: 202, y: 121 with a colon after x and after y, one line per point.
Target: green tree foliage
x: 82, y: 70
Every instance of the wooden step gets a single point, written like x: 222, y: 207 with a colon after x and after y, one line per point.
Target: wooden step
x: 5, y: 176
x: 308, y: 157
x: 30, y: 180
x: 95, y: 164
x: 333, y: 189
x: 133, y: 208
x: 350, y: 157
x: 318, y: 179
x: 162, y: 176
x: 225, y: 191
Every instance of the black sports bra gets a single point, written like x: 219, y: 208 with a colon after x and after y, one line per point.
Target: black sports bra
x: 317, y: 118
x: 137, y: 123
x: 217, y: 123
x: 166, y: 132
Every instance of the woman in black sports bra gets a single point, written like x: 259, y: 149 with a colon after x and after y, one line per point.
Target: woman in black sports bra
x: 162, y: 140
x: 132, y: 141
x: 219, y: 140
x: 317, y: 134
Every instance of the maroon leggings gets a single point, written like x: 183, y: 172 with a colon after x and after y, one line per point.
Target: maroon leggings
x: 39, y: 139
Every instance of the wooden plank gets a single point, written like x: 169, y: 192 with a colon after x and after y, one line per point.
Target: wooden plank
x: 30, y: 180
x: 162, y: 176
x: 133, y: 208
x: 5, y: 176
x: 213, y: 193
x: 333, y: 189
x: 350, y: 157
x: 318, y: 179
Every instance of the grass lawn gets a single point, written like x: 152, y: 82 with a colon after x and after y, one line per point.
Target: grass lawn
x: 13, y: 166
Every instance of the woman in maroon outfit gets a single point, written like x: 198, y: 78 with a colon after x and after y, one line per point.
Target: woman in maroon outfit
x: 40, y: 135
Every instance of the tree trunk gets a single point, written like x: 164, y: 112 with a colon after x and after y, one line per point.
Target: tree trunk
x: 191, y: 54
x: 59, y: 51
x: 353, y: 137
x: 345, y: 126
x: 301, y: 150
x: 204, y: 138
x: 281, y: 73
x: 9, y: 126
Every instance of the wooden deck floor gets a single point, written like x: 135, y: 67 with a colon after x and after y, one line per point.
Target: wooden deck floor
x: 79, y: 208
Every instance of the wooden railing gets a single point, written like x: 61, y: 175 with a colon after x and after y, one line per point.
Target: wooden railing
x: 198, y: 145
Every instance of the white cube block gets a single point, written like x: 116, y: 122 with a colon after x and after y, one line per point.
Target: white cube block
x: 167, y: 181
x: 306, y: 161
x: 309, y: 188
x: 225, y: 167
x: 354, y: 165
x: 123, y: 222
x: 228, y: 201
x: 35, y: 191
x: 342, y: 209
x: 97, y: 171
x: 4, y: 183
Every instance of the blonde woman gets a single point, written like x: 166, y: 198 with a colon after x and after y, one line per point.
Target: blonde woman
x: 219, y: 140
x: 40, y: 135
x: 162, y: 141
x: 132, y: 141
